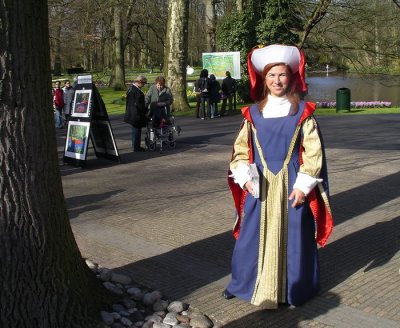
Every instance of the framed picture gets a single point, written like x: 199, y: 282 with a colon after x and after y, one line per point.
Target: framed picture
x: 81, y: 107
x: 77, y: 140
x: 102, y: 138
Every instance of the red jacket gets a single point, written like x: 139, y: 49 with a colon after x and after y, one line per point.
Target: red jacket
x: 58, y: 98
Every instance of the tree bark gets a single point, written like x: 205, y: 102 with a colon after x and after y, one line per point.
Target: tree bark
x: 211, y: 27
x: 117, y: 80
x: 57, y: 51
x: 176, y: 51
x: 44, y: 280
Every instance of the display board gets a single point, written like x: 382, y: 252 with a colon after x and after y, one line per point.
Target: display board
x: 89, y: 121
x: 218, y: 63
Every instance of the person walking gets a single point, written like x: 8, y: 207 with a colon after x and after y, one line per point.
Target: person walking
x: 135, y: 113
x: 228, y: 90
x: 58, y: 104
x: 278, y: 179
x: 68, y: 94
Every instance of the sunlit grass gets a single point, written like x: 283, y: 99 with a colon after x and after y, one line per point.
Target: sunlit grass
x: 357, y: 111
x: 115, y: 105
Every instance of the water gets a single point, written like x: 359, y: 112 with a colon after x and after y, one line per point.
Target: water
x: 363, y: 87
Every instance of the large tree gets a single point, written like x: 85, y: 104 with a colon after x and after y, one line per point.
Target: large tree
x: 176, y: 51
x: 211, y: 22
x: 44, y: 281
x: 117, y: 80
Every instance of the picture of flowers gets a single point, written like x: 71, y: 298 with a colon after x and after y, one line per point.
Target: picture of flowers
x: 81, y: 107
x: 77, y: 139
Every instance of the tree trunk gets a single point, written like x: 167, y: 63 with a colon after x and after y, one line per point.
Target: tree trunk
x: 44, y: 280
x: 176, y: 51
x: 239, y: 5
x: 57, y: 51
x: 211, y: 28
x: 117, y: 80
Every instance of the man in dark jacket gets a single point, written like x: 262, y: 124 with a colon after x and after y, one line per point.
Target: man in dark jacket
x: 228, y: 89
x: 135, y: 113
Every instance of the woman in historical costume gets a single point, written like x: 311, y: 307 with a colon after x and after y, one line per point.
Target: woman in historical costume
x: 279, y: 184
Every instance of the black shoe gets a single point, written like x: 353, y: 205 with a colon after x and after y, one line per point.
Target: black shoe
x: 227, y: 295
x: 139, y: 150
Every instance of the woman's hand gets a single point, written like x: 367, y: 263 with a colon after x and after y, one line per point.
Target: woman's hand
x: 298, y: 196
x: 248, y: 186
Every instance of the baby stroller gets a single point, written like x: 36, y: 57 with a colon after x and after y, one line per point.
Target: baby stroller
x: 161, y: 129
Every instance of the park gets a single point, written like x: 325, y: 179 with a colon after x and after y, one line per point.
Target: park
x: 164, y: 219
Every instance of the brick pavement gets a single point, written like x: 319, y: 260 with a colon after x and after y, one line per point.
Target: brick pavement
x: 166, y: 219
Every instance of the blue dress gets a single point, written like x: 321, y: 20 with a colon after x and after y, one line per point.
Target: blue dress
x: 275, y: 258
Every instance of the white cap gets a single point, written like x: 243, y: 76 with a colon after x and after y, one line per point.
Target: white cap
x: 276, y: 53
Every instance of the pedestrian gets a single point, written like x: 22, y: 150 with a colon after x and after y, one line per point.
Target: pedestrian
x: 228, y: 90
x: 202, y: 87
x: 68, y: 93
x: 197, y: 92
x: 135, y: 113
x: 215, y: 96
x: 58, y: 104
x: 278, y: 179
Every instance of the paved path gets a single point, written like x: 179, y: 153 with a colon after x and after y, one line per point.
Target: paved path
x: 166, y: 219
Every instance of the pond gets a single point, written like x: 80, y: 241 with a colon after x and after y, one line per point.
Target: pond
x: 363, y: 87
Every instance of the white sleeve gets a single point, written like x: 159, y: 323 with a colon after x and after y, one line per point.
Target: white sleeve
x: 241, y: 174
x: 305, y: 182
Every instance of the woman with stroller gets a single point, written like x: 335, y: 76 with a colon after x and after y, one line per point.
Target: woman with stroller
x: 158, y: 100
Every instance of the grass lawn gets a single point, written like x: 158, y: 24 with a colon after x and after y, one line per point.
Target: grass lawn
x: 115, y: 104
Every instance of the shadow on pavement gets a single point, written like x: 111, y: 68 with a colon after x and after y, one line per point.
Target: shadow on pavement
x: 80, y: 204
x: 188, y: 268
x: 371, y: 247
x: 365, y: 197
x: 287, y: 317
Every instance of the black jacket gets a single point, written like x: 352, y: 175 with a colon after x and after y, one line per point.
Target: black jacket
x: 214, y: 91
x: 228, y: 85
x: 135, y: 113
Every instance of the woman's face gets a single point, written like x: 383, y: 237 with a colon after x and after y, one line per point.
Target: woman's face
x: 159, y: 86
x: 277, y: 80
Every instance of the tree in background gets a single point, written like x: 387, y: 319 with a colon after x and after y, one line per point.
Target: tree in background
x: 44, y: 280
x: 210, y: 21
x: 117, y: 80
x: 358, y: 35
x: 176, y: 51
x: 280, y: 23
x: 267, y: 22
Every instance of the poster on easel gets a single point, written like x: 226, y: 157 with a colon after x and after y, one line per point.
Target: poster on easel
x: 77, y: 140
x: 89, y: 121
x: 81, y: 105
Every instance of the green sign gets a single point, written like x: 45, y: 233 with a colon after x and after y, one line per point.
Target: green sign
x: 218, y: 63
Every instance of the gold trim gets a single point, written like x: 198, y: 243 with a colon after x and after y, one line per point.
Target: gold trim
x: 270, y: 287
